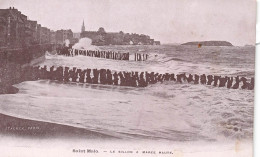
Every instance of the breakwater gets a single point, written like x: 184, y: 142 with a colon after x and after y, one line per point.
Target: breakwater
x: 67, y: 51
x: 141, y: 57
x: 124, y: 78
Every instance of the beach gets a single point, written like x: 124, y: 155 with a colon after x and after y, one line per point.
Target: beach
x: 178, y: 114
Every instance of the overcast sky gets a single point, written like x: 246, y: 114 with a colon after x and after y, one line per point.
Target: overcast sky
x: 170, y: 21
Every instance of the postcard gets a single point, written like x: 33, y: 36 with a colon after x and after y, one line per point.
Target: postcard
x: 162, y: 78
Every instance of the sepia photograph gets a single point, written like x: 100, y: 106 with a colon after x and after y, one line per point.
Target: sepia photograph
x: 155, y: 78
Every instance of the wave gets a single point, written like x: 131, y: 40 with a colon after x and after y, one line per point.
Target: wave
x: 135, y: 112
x: 244, y: 73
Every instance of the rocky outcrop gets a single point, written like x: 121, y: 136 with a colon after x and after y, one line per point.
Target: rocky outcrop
x: 8, y: 89
x: 209, y: 43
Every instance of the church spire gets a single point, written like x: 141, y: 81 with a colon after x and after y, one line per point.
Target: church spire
x: 83, y: 27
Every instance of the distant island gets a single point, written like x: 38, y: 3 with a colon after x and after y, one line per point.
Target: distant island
x: 209, y: 43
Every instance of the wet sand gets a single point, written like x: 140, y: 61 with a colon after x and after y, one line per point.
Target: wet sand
x: 13, y: 126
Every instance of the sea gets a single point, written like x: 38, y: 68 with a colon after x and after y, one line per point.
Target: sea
x: 168, y: 111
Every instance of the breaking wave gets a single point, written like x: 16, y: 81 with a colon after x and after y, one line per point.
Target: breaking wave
x: 167, y: 111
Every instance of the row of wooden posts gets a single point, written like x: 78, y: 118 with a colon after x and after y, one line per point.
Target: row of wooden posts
x: 134, y: 79
x: 66, y: 51
x: 141, y: 57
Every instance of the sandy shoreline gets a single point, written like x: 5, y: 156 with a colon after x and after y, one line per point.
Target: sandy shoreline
x: 37, y: 129
x: 36, y: 138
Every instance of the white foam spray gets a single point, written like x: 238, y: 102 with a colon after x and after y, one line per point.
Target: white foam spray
x: 85, y: 43
x: 67, y: 42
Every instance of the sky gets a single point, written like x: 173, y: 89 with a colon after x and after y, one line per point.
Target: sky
x: 169, y: 21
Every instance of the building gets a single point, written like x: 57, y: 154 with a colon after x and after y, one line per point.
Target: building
x: 31, y: 32
x: 101, y: 37
x: 38, y: 33
x: 45, y: 35
x: 12, y: 27
x: 96, y: 37
x: 62, y: 35
x: 83, y: 27
x: 76, y: 35
x: 157, y: 42
x: 53, y: 37
x: 17, y: 31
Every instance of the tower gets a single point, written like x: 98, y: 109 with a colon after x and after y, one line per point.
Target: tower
x: 83, y: 27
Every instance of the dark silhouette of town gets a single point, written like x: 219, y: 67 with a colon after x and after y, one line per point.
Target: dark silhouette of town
x: 101, y: 37
x: 16, y: 30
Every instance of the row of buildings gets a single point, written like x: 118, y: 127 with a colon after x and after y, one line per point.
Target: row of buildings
x: 16, y: 30
x: 101, y: 37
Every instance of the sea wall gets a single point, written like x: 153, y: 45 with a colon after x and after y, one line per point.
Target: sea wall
x: 13, y: 62
x: 23, y: 55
